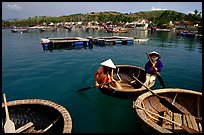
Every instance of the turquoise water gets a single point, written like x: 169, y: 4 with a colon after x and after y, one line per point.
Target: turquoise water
x: 28, y: 71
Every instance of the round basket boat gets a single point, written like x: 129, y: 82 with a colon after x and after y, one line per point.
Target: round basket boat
x: 43, y: 114
x: 125, y: 76
x: 154, y: 116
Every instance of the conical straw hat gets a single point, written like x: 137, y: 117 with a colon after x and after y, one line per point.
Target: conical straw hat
x: 108, y: 63
x: 154, y: 52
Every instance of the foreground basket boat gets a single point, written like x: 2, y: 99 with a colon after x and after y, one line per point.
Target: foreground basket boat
x: 154, y: 116
x: 43, y: 114
x: 124, y: 76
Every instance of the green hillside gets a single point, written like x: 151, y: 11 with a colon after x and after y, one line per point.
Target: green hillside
x: 156, y: 17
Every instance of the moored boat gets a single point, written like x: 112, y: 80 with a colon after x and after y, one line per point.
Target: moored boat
x: 124, y: 75
x: 155, y: 116
x: 46, y: 116
x: 187, y: 34
x: 21, y: 30
x: 140, y: 39
x: 116, y: 29
x: 48, y: 29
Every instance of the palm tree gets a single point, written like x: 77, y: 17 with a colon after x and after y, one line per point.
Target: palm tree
x: 196, y: 11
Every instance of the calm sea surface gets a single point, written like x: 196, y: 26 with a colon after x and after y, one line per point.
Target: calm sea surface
x: 28, y: 71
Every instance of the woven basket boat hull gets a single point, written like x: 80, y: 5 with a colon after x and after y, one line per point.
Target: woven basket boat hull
x: 188, y: 101
x: 41, y: 113
x: 125, y: 73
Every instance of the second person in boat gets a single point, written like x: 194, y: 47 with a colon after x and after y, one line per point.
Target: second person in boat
x: 104, y: 75
x: 153, y: 67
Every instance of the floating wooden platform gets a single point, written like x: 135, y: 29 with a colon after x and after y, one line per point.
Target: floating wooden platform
x: 116, y: 40
x: 78, y: 42
x: 66, y: 42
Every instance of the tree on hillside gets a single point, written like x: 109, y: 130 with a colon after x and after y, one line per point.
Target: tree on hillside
x: 196, y: 11
x: 156, y: 17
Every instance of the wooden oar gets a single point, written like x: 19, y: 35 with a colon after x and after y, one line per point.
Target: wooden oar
x: 9, y: 126
x: 83, y: 89
x: 165, y: 102
x: 158, y: 74
x: 189, y: 130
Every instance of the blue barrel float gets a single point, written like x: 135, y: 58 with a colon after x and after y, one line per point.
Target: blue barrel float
x: 127, y: 42
x: 78, y: 45
x: 47, y: 46
x: 117, y: 42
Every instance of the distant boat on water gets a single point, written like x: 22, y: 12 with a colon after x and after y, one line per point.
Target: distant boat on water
x: 116, y: 30
x: 153, y: 29
x: 186, y: 33
x: 45, y: 29
x: 20, y: 29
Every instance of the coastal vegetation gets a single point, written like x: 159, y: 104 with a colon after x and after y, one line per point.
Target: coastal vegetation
x: 157, y: 18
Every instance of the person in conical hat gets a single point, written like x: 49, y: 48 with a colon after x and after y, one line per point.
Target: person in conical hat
x: 105, y: 74
x: 154, y: 53
x: 108, y: 63
x: 153, y: 67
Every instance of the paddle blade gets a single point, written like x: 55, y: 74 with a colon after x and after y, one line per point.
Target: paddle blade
x: 83, y: 89
x: 92, y: 86
x: 168, y: 105
x: 9, y: 127
x: 189, y: 130
x: 161, y: 81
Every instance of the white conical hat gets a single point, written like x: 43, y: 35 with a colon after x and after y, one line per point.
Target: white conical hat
x: 154, y: 52
x: 108, y: 63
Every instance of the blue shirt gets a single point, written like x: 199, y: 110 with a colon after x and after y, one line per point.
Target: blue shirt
x: 158, y: 65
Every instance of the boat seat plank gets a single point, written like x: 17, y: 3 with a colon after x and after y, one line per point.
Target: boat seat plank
x: 188, y: 121
x: 125, y: 85
x: 166, y: 124
x: 199, y: 123
x: 29, y: 130
x: 177, y: 118
x: 40, y: 131
x: 26, y: 126
x: 191, y: 122
x: 184, y: 121
x: 33, y: 130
